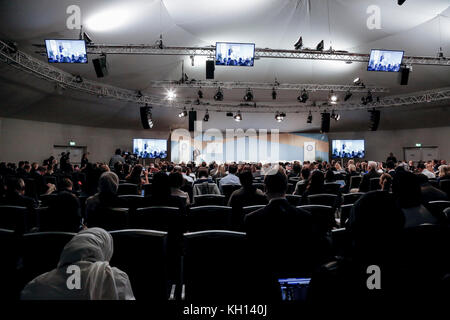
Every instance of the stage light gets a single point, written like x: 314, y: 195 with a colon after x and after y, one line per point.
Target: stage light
x: 248, y: 95
x: 78, y: 79
x: 348, y: 95
x: 171, y: 94
x: 303, y: 96
x: 219, y: 95
x: 299, y: 44
x: 274, y: 94
x: 400, y: 2
x: 320, y: 46
x: 139, y: 94
x: 183, y: 113
x: 369, y: 97
x: 206, y: 117
x: 357, y: 81
x: 238, y: 116
x: 335, y: 115
x: 280, y: 116
x: 200, y: 94
x: 333, y: 98
x: 310, y: 117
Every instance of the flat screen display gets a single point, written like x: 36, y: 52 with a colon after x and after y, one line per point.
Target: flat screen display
x: 235, y: 54
x: 347, y: 149
x: 294, y: 289
x: 66, y: 51
x: 150, y: 148
x: 385, y: 60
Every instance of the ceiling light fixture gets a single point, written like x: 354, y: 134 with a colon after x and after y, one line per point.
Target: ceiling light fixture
x: 183, y: 113
x: 171, y: 95
x: 206, y: 117
x: 310, y: 117
x: 238, y: 116
x: 219, y: 95
x: 248, y: 95
x: 280, y: 116
x: 303, y: 97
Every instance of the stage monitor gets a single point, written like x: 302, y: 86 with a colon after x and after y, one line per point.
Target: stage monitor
x: 347, y: 149
x: 235, y: 54
x: 385, y: 60
x: 150, y: 148
x: 66, y: 51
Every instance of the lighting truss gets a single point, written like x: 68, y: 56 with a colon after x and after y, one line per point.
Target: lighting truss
x: 267, y: 86
x: 42, y: 69
x: 259, y: 53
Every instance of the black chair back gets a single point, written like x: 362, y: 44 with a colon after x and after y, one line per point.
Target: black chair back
x: 345, y: 213
x: 323, y: 216
x: 290, y: 188
x: 214, y: 265
x: 294, y: 200
x: 228, y: 189
x: 142, y: 255
x: 355, y: 181
x: 299, y: 189
x: 323, y: 199
x: 209, y: 218
x: 109, y: 218
x: 30, y: 188
x: 437, y: 208
x: 332, y: 187
x: 9, y: 248
x: 147, y: 189
x: 41, y: 252
x: 259, y: 186
x: 209, y: 200
x: 15, y: 218
x: 157, y: 218
x: 250, y: 209
x: 351, y: 198
x: 47, y: 199
x: 133, y: 201
x: 127, y: 188
x: 375, y: 184
x: 50, y: 179
x: 444, y: 185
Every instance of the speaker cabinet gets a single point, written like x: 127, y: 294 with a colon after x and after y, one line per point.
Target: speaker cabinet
x: 375, y: 116
x: 325, y: 123
x: 144, y: 117
x: 210, y: 67
x: 192, y: 119
x: 100, y: 66
x: 404, y: 76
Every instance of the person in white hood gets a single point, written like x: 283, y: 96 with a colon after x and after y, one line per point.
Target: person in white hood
x: 89, y: 252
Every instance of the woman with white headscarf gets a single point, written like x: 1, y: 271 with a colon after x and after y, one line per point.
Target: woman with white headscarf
x: 89, y: 253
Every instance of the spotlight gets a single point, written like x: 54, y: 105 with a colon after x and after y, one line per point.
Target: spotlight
x: 78, y: 79
x: 248, y: 95
x: 299, y: 44
x: 206, y: 117
x: 333, y: 98
x: 303, y: 96
x: 183, y: 113
x: 219, y: 95
x: 274, y: 94
x: 238, y: 116
x: 335, y: 115
x: 200, y: 93
x: 400, y: 2
x: 357, y: 81
x: 280, y: 116
x: 310, y: 117
x: 348, y: 95
x: 320, y: 46
x: 150, y: 118
x: 171, y: 94
x: 139, y: 94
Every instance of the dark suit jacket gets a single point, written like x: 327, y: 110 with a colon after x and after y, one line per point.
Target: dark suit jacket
x: 365, y: 181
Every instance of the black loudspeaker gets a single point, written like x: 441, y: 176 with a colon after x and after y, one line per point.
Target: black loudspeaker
x: 144, y: 117
x: 210, y: 67
x: 192, y: 119
x: 100, y: 66
x: 404, y: 76
x: 325, y: 123
x: 375, y: 116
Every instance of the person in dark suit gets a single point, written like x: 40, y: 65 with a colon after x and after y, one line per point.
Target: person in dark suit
x: 365, y: 181
x: 15, y: 195
x: 282, y: 238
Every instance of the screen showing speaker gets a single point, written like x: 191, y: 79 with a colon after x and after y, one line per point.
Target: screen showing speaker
x: 385, y: 60
x: 150, y: 148
x: 347, y: 149
x: 235, y: 54
x: 66, y: 51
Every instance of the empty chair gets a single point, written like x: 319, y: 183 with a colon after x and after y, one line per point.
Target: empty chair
x: 332, y: 187
x: 147, y: 189
x: 14, y: 218
x: 444, y: 185
x: 209, y: 218
x: 127, y: 188
x: 323, y: 199
x: 108, y: 218
x: 41, y: 252
x: 437, y: 208
x: 345, y: 213
x: 157, y: 218
x: 294, y: 200
x: 214, y: 266
x: 323, y: 215
x: 209, y: 200
x: 374, y: 184
x: 355, y: 181
x: 350, y: 198
x: 142, y: 255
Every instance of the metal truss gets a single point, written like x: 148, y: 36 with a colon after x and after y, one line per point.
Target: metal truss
x: 25, y: 62
x: 267, y: 86
x: 306, y: 54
